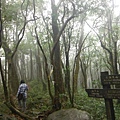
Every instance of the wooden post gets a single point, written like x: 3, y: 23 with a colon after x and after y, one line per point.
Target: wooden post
x: 108, y: 102
x: 0, y: 25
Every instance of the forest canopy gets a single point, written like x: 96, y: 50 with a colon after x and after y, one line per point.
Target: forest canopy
x: 63, y: 44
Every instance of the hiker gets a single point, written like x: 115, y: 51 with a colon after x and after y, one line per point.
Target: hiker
x: 22, y: 95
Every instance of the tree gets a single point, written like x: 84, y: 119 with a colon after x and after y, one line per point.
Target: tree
x: 10, y: 15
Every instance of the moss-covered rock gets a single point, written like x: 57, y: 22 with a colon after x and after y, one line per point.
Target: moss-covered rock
x: 69, y: 114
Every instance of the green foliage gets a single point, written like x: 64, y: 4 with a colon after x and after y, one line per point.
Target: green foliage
x: 3, y: 107
x: 10, y: 11
x: 95, y: 107
x: 37, y: 99
x: 40, y: 101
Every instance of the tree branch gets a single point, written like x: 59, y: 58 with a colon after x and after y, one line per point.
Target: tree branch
x: 102, y: 45
x: 62, y: 29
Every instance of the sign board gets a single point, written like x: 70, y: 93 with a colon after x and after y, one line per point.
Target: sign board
x: 107, y: 93
x: 104, y: 93
x: 111, y: 93
x: 95, y: 93
x: 111, y: 80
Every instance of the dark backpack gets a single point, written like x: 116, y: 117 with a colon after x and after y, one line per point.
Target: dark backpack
x: 20, y: 96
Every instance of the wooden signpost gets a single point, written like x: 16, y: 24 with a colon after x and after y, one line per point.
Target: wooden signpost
x: 107, y: 93
x: 104, y: 93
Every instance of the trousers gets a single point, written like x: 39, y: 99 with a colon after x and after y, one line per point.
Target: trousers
x: 22, y: 104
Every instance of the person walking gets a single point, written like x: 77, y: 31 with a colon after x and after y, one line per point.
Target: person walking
x: 22, y: 95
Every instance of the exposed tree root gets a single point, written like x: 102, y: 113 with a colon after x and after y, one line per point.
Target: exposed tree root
x: 17, y: 112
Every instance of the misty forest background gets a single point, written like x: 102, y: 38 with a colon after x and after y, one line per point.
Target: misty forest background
x: 59, y: 49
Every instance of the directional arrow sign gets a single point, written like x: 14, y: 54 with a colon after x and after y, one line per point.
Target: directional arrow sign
x: 95, y: 93
x: 104, y: 93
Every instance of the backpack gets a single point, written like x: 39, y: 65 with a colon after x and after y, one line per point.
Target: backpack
x: 20, y: 96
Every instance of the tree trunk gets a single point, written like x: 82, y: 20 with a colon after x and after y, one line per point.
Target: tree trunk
x: 31, y: 66
x: 4, y: 82
x: 13, y: 81
x: 56, y: 60
x: 115, y: 58
x: 12, y: 77
x: 76, y: 73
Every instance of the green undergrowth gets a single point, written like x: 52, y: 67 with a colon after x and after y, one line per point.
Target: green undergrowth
x: 94, y: 106
x: 39, y: 101
x: 3, y: 107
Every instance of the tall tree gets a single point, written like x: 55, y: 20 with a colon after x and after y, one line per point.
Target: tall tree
x: 55, y: 55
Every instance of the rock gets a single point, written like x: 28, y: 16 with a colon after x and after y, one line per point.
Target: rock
x: 69, y: 114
